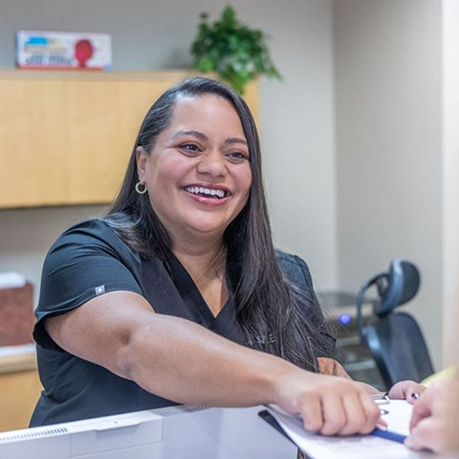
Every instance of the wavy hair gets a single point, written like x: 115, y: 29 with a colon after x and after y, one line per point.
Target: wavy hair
x: 272, y: 312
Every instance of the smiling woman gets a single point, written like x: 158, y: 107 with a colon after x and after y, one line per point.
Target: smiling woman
x: 198, y: 172
x: 178, y: 295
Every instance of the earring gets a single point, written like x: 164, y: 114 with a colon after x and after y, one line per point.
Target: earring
x: 140, y: 190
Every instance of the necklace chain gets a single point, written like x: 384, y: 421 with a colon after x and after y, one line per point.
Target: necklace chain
x: 212, y: 263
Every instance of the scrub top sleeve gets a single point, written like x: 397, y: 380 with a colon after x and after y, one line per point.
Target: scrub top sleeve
x: 78, y: 267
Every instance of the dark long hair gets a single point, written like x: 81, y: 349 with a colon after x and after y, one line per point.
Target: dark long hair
x: 271, y: 311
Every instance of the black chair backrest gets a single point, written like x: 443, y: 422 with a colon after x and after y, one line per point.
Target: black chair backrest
x: 398, y: 347
x: 394, y: 338
x: 396, y: 287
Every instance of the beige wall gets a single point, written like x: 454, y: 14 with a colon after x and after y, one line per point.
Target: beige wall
x: 450, y: 230
x: 389, y: 146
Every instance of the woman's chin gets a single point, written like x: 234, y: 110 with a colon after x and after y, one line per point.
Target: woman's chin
x: 206, y: 228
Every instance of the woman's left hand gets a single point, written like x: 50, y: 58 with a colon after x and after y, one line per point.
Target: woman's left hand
x: 408, y: 390
x: 403, y: 390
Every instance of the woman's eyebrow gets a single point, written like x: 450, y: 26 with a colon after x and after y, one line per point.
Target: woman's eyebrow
x: 201, y: 136
x: 197, y: 134
x: 233, y: 140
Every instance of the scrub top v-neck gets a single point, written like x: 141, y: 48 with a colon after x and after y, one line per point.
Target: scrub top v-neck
x: 179, y: 296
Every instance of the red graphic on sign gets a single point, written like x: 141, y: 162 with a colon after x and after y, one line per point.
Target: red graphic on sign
x: 83, y: 52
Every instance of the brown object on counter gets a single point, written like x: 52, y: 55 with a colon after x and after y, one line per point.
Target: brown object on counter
x: 16, y: 315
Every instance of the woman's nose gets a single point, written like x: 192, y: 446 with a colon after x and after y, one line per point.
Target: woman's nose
x: 212, y: 164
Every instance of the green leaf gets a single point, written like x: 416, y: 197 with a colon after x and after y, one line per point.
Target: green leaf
x: 237, y: 53
x: 229, y: 16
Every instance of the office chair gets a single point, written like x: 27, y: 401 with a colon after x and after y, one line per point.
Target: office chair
x: 394, y: 338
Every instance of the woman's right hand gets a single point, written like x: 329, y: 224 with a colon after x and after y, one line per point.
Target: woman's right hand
x: 329, y: 405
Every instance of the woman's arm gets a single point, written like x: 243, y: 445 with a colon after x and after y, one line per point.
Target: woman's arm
x: 182, y: 361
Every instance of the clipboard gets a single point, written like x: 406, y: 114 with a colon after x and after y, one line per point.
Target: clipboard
x: 386, y: 434
x: 269, y: 418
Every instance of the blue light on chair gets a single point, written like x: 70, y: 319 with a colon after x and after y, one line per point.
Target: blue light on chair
x: 394, y: 338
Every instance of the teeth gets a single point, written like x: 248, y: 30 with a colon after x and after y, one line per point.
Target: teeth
x: 201, y: 190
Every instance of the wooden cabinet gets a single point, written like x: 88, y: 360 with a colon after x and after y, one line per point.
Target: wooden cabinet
x: 20, y: 389
x: 66, y: 136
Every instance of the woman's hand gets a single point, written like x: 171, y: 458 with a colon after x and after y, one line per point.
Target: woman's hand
x: 330, y: 405
x: 406, y: 390
x: 435, y: 418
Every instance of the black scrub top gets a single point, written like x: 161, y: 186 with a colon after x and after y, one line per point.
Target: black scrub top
x: 88, y: 260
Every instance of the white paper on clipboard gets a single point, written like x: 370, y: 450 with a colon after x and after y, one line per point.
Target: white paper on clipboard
x: 397, y: 415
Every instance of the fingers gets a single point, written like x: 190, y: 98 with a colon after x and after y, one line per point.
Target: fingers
x: 429, y: 434
x: 355, y: 415
x: 421, y: 410
x: 354, y: 412
x: 334, y: 413
x: 408, y: 390
x: 414, y: 392
x: 312, y: 414
x: 330, y: 405
x: 433, y: 424
x: 372, y: 413
x: 345, y: 409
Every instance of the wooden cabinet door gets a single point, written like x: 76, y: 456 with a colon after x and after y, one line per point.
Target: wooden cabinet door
x: 19, y: 393
x: 66, y: 137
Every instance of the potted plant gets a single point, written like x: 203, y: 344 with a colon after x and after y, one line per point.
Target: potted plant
x: 236, y: 53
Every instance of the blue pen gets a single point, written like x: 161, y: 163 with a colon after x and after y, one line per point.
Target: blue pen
x: 388, y: 435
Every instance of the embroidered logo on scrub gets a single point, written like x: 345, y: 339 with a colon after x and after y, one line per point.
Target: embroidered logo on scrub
x: 100, y: 290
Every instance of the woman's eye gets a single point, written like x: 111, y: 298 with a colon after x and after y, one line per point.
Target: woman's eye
x: 237, y: 157
x: 190, y: 147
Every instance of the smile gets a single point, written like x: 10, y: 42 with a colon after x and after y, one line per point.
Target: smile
x: 207, y: 192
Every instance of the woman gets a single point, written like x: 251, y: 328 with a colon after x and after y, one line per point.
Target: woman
x: 171, y: 298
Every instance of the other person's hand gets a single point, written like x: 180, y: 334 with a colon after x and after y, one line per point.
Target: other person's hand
x: 435, y: 419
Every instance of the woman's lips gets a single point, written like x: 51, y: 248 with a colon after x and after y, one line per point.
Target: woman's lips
x: 208, y: 194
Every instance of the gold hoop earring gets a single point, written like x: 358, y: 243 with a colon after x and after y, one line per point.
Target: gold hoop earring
x: 140, y: 190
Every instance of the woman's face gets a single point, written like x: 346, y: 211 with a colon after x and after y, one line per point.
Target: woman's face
x: 198, y: 173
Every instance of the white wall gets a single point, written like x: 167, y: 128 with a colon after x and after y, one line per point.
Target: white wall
x: 389, y: 145
x: 450, y: 116
x: 296, y: 115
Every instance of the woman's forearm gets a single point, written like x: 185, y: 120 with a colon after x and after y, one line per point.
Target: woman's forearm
x: 179, y: 360
x: 185, y: 362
